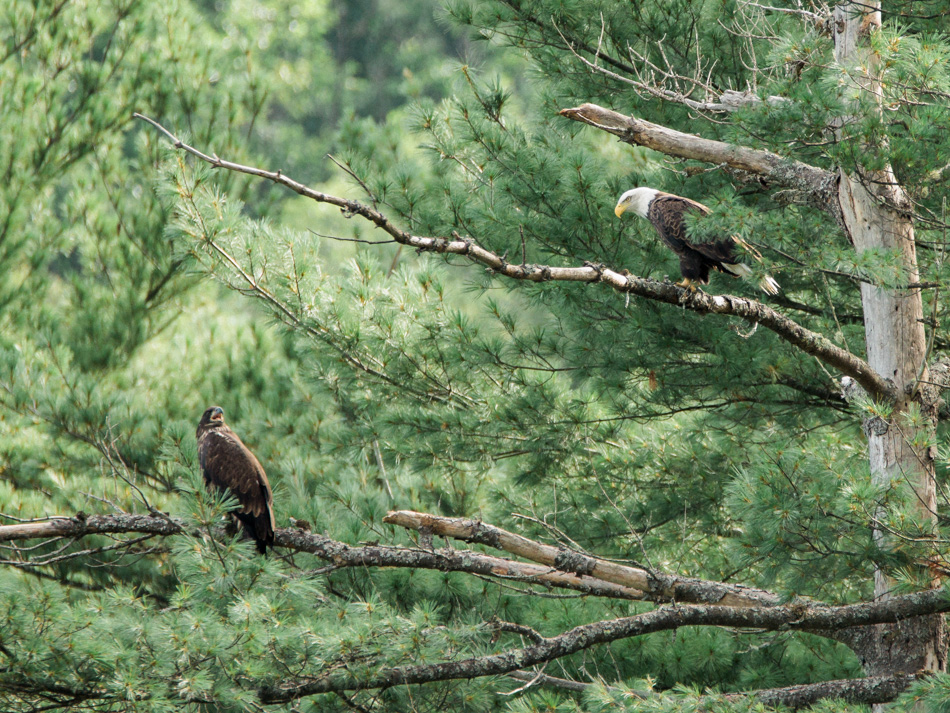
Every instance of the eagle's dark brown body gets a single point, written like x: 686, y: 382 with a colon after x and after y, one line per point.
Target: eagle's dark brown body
x: 228, y: 465
x: 666, y: 212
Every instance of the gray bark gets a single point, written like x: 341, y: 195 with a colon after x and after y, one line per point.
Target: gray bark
x: 666, y: 618
x: 875, y: 214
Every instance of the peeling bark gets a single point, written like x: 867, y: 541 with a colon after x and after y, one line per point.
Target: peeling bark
x: 875, y: 689
x: 663, y: 587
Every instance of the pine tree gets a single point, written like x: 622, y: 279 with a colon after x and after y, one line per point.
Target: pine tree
x: 669, y: 500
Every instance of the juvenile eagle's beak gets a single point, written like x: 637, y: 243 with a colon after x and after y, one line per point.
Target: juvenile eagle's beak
x: 620, y: 208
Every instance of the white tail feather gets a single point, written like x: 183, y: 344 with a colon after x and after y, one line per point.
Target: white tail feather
x: 767, y: 284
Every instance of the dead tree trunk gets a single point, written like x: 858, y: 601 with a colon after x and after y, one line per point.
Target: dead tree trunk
x: 877, y: 216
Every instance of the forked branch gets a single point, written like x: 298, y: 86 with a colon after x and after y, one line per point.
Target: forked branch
x: 657, y: 585
x: 338, y: 555
x: 747, y: 606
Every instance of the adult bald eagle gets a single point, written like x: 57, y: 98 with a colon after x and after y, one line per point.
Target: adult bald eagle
x: 229, y: 466
x: 666, y: 212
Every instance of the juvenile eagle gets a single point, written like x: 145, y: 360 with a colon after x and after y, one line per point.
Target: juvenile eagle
x: 666, y: 212
x: 229, y: 466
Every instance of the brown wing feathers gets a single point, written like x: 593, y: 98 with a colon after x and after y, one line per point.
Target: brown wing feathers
x: 228, y: 465
x: 666, y: 213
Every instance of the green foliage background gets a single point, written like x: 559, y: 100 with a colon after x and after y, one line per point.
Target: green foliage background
x: 373, y: 379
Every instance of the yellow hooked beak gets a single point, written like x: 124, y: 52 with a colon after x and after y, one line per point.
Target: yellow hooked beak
x: 621, y: 207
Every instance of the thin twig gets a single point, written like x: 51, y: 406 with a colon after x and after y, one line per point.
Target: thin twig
x: 350, y: 240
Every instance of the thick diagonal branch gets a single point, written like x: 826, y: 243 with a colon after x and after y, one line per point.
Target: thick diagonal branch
x: 660, y: 586
x: 667, y: 618
x: 810, y: 342
x: 820, y: 185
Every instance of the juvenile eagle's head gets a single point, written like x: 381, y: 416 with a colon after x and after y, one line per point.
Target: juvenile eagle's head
x: 213, y: 415
x: 636, y: 199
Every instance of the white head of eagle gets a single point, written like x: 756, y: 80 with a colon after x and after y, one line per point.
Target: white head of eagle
x: 666, y: 212
x: 636, y: 199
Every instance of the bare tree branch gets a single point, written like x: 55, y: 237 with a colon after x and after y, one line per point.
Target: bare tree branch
x: 813, y: 17
x: 875, y: 689
x: 820, y: 185
x: 90, y: 525
x: 662, y: 587
x: 542, y: 679
x: 772, y: 165
x: 679, y: 590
